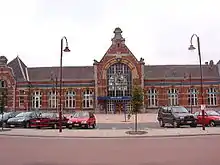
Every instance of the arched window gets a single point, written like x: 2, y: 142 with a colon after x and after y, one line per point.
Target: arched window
x: 87, y: 99
x: 52, y: 99
x: 152, y: 98
x: 36, y: 99
x: 173, y: 97
x: 212, y: 96
x: 2, y: 84
x: 70, y: 99
x: 119, y: 79
x: 192, y: 96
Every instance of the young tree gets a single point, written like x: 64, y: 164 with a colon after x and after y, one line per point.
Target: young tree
x: 137, y: 103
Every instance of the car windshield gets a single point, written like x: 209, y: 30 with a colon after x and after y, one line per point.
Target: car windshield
x: 23, y: 114
x: 81, y: 115
x: 179, y: 110
x: 48, y: 115
x: 212, y: 113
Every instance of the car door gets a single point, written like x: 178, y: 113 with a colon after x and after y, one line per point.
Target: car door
x: 165, y: 115
x: 200, y: 119
x: 92, y: 118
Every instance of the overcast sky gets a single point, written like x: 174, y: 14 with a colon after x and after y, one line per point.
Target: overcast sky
x: 157, y: 30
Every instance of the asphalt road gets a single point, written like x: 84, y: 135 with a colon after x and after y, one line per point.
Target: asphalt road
x: 150, y: 151
x: 127, y: 125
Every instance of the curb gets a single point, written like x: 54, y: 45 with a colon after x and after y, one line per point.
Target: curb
x: 112, y: 137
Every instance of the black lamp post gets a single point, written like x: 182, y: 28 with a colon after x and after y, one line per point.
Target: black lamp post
x: 191, y: 47
x: 61, y: 77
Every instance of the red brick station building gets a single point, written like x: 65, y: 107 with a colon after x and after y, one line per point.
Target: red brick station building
x: 106, y: 86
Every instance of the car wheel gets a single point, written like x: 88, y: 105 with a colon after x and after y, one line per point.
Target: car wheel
x: 212, y: 124
x: 161, y: 123
x: 55, y: 126
x: 193, y: 125
x: 175, y: 124
x: 26, y: 125
x: 70, y: 126
x: 94, y: 125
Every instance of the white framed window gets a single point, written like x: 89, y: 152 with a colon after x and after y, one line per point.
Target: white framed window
x: 173, y: 97
x: 152, y: 98
x: 212, y: 96
x: 70, y: 99
x: 87, y: 99
x: 36, y: 99
x: 52, y: 99
x: 192, y: 96
x: 21, y: 98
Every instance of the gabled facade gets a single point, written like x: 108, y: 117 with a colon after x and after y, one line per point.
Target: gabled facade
x: 106, y: 86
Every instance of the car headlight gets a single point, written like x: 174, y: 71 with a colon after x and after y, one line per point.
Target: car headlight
x: 69, y: 122
x: 84, y: 122
x: 181, y: 117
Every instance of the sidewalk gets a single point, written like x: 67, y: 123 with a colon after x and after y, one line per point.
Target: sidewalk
x: 120, y: 118
x: 74, y: 133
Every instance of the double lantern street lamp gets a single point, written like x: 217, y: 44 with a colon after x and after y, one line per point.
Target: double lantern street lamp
x: 61, y: 79
x: 191, y: 47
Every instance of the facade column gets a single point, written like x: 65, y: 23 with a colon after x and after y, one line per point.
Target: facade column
x: 96, y: 86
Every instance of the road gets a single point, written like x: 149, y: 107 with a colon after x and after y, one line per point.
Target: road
x: 149, y: 151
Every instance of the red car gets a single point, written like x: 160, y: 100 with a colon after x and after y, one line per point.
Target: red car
x: 47, y: 120
x: 212, y: 118
x: 82, y: 119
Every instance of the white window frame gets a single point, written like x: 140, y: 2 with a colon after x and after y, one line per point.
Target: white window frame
x: 173, y: 98
x: 21, y: 95
x: 193, y: 96
x: 70, y: 99
x: 36, y: 99
x: 88, y: 99
x: 152, y: 98
x: 212, y: 96
x: 52, y: 99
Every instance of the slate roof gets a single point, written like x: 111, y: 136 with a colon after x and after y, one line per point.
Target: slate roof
x: 72, y: 73
x: 69, y: 73
x: 19, y: 69
x: 180, y: 71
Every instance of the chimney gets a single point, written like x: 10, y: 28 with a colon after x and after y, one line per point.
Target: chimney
x: 206, y: 63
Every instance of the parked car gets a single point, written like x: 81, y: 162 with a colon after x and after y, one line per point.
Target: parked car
x: 22, y: 119
x: 47, y: 120
x: 82, y: 119
x: 7, y: 115
x: 212, y: 118
x: 176, y: 116
x: 218, y: 111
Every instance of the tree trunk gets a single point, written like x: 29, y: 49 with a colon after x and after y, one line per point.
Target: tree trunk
x: 135, y: 123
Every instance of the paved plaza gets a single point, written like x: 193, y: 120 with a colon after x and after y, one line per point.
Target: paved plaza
x: 90, y: 133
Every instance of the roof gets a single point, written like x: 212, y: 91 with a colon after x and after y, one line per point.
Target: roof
x: 180, y: 71
x: 19, y: 69
x: 69, y: 73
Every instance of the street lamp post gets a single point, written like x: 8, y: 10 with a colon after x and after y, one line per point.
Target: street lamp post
x: 201, y: 76
x: 61, y: 77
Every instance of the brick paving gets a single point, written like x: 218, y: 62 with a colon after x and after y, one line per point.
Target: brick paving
x: 120, y: 118
x: 82, y: 133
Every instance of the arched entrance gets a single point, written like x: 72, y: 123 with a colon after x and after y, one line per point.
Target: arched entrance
x: 119, y: 87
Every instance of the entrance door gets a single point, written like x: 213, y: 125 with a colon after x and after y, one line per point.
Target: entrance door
x: 119, y: 108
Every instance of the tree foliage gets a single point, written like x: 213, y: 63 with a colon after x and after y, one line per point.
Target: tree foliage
x: 137, y: 99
